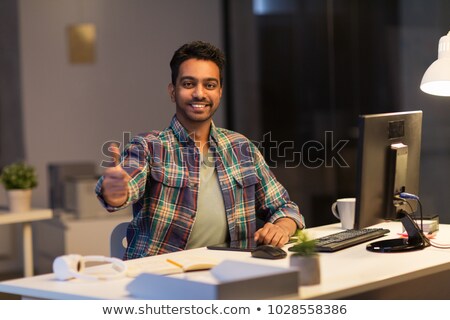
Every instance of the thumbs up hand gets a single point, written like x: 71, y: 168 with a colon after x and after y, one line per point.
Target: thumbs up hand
x: 115, y: 181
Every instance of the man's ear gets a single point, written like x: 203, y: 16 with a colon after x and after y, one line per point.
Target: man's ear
x: 171, y: 90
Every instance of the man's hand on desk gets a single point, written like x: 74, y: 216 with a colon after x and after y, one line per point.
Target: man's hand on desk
x: 115, y: 182
x: 277, y: 233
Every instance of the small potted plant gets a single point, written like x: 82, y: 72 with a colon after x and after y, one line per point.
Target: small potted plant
x: 19, y: 179
x: 305, y: 259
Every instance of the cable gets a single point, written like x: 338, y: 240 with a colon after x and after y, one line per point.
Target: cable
x: 403, y: 196
x: 421, y: 220
x: 439, y: 245
x: 421, y: 214
x: 403, y: 201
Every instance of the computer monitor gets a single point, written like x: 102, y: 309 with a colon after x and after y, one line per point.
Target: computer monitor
x: 388, y: 163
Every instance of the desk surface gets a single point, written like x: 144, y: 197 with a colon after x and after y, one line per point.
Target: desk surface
x: 7, y: 217
x: 344, y: 273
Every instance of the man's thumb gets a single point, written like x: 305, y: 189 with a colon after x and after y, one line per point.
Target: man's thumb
x: 115, y: 152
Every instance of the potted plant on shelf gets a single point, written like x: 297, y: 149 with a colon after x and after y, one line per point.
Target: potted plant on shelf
x: 305, y: 259
x: 19, y: 179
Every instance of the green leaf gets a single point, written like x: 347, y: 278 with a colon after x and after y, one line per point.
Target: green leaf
x: 18, y: 175
x: 304, y: 245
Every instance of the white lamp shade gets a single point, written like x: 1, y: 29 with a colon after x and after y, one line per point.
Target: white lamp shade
x: 436, y: 79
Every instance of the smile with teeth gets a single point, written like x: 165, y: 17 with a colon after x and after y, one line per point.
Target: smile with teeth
x: 198, y: 106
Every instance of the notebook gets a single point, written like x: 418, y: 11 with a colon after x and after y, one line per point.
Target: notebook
x: 172, y: 265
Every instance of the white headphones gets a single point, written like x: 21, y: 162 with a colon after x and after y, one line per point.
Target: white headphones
x: 73, y: 265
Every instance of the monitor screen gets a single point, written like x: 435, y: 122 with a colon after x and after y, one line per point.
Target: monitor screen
x: 388, y: 162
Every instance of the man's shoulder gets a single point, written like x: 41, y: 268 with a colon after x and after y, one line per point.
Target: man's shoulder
x: 231, y: 140
x: 226, y: 135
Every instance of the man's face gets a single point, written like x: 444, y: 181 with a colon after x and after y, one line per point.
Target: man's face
x: 197, y: 92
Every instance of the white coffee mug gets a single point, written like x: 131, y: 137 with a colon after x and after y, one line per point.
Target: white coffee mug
x: 344, y: 210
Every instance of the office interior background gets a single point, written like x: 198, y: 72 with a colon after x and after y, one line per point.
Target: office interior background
x: 296, y: 70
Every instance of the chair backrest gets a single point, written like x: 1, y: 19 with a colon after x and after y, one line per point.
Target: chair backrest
x: 118, y: 240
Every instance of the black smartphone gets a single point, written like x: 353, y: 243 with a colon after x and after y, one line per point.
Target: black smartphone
x: 246, y: 245
x: 242, y: 245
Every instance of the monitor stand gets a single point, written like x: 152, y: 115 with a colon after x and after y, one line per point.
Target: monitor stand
x: 415, y: 241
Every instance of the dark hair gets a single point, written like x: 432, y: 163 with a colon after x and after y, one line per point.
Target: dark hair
x: 197, y: 50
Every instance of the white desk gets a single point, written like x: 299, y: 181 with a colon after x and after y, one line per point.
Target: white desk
x: 350, y: 273
x: 26, y: 218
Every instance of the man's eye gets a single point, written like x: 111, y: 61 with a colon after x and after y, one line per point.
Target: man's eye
x: 187, y: 84
x: 211, y: 85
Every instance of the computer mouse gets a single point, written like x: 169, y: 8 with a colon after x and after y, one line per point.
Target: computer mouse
x: 267, y: 251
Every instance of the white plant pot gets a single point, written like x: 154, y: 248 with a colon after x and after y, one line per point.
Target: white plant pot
x: 19, y: 200
x: 308, y: 267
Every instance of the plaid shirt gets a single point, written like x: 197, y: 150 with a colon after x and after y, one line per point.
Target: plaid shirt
x: 164, y: 169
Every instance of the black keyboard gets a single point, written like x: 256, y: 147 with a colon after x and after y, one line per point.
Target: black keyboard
x: 348, y: 238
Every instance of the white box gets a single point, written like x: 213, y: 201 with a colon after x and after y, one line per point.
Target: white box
x: 229, y: 280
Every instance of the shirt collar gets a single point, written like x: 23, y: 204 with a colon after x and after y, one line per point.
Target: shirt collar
x: 213, y: 134
x: 183, y: 136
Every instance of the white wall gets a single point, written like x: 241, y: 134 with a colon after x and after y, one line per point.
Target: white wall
x: 71, y: 110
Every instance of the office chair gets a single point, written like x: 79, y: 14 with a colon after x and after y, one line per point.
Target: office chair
x: 118, y: 240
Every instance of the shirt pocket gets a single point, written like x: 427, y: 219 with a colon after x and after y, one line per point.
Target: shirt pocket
x: 170, y: 201
x: 170, y: 176
x: 245, y: 176
x: 245, y: 180
x: 243, y: 220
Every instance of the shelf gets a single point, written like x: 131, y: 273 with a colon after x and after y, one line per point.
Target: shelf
x: 7, y: 217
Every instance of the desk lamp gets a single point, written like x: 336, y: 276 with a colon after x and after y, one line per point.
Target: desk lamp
x: 436, y: 79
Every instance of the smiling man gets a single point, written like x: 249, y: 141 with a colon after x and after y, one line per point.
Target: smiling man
x: 194, y: 184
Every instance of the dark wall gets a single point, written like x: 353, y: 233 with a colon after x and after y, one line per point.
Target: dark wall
x: 319, y: 65
x: 11, y: 136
